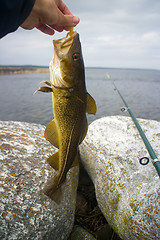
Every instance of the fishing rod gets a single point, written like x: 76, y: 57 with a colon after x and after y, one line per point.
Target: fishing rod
x: 144, y: 160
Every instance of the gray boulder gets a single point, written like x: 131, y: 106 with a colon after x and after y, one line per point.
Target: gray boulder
x: 78, y: 233
x: 25, y: 212
x: 128, y: 193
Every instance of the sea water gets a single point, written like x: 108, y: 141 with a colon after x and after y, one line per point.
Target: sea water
x: 140, y: 88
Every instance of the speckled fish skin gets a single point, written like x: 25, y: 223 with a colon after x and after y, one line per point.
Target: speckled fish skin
x: 70, y: 103
x: 69, y: 107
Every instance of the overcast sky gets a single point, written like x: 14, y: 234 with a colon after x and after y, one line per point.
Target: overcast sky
x: 115, y: 33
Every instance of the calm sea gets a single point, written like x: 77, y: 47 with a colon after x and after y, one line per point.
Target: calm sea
x: 140, y: 88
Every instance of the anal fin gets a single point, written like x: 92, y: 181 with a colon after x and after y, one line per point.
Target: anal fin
x: 51, y: 134
x: 53, y: 161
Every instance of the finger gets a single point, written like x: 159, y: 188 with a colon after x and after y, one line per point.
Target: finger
x: 67, y: 20
x: 57, y: 27
x: 64, y: 9
x: 45, y: 29
x: 67, y: 28
x: 67, y: 16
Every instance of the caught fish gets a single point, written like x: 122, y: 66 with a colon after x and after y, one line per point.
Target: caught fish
x: 71, y: 101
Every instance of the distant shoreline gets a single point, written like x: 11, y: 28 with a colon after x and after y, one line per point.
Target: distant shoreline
x: 29, y: 69
x: 8, y: 70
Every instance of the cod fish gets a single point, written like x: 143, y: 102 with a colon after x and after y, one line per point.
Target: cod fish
x: 71, y: 101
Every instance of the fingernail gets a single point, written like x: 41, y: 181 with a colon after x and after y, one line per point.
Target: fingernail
x: 76, y: 20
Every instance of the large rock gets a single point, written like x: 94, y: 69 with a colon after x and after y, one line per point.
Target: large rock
x: 25, y: 212
x: 128, y: 193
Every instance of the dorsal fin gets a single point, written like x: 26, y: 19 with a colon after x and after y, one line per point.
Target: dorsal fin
x: 84, y: 130
x: 91, y: 105
x: 76, y: 161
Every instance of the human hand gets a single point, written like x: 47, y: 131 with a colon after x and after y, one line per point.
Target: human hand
x: 50, y: 15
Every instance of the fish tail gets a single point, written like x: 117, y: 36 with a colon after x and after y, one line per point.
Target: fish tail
x: 52, y: 190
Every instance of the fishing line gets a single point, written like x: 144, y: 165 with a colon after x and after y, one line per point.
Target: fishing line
x: 144, y: 160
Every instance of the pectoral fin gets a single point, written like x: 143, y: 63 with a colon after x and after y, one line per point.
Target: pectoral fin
x: 46, y: 82
x: 91, y: 105
x: 53, y: 161
x: 51, y: 134
x: 44, y: 89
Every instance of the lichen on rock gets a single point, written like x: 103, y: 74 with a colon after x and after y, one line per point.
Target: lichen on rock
x: 25, y: 212
x: 128, y: 193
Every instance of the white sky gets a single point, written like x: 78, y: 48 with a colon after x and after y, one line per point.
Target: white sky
x: 115, y: 33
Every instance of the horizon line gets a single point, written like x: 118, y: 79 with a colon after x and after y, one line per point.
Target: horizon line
x: 89, y: 67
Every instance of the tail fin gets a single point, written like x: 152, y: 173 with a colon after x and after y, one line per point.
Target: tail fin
x: 51, y: 190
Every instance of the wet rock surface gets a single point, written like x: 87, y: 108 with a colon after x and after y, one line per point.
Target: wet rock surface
x: 25, y: 212
x: 128, y: 193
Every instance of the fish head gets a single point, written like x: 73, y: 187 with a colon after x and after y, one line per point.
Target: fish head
x: 67, y: 67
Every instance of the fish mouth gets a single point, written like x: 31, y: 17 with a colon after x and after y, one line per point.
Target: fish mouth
x: 62, y: 46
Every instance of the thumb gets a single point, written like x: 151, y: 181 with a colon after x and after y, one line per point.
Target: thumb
x: 68, y: 20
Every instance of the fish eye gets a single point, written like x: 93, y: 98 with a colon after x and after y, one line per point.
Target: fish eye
x: 76, y: 56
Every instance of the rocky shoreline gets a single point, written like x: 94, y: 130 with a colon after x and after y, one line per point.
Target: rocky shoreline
x: 111, y: 186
